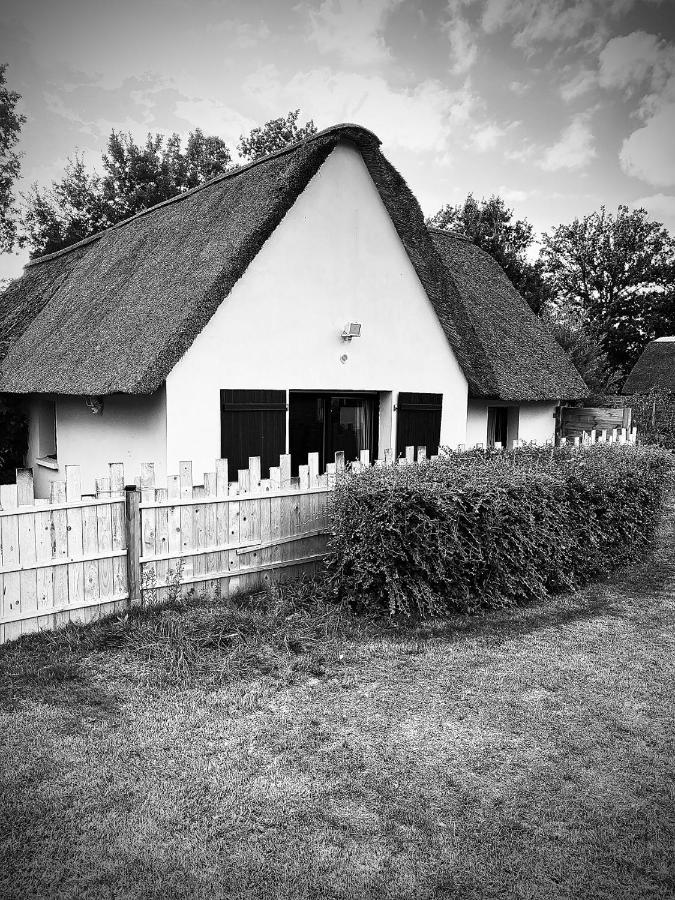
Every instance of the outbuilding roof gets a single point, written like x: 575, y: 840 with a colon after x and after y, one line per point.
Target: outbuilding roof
x: 519, y: 359
x: 115, y: 313
x: 654, y: 369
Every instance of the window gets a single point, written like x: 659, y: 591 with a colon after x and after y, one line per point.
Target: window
x: 502, y: 425
x: 46, y: 432
x: 418, y: 422
x: 252, y: 423
x: 324, y: 423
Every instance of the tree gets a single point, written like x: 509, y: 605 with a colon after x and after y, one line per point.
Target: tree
x: 10, y: 161
x: 274, y: 135
x: 134, y: 178
x: 616, y: 272
x: 584, y: 350
x: 490, y: 224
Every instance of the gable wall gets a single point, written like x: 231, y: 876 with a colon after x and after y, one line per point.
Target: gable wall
x: 336, y: 257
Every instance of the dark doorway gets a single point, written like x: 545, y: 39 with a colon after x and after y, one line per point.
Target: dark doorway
x: 418, y: 422
x: 497, y: 425
x: 327, y: 422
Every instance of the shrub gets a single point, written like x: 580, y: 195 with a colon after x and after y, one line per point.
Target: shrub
x: 491, y: 529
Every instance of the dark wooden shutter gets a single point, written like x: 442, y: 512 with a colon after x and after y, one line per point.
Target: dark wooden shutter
x: 252, y: 423
x: 418, y: 422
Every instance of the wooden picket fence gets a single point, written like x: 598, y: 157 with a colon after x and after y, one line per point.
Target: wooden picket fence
x: 73, y: 558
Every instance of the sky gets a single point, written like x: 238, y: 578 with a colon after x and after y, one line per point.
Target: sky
x: 559, y: 106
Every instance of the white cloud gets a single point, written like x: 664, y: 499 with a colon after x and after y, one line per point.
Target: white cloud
x: 486, y: 137
x: 660, y: 206
x: 574, y: 149
x: 648, y: 152
x: 628, y: 60
x: 463, y: 46
x: 630, y: 63
x: 578, y: 85
x: 424, y: 118
x: 244, y: 34
x: 533, y: 22
x: 214, y: 118
x: 351, y: 28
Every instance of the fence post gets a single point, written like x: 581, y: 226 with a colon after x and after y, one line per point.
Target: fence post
x: 132, y: 522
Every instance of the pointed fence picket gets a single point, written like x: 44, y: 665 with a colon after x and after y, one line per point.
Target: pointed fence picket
x: 75, y: 557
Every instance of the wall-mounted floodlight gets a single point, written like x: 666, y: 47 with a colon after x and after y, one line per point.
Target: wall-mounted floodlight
x: 351, y: 330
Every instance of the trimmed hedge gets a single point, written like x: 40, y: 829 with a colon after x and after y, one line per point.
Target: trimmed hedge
x: 485, y: 529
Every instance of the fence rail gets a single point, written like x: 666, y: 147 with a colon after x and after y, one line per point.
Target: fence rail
x: 74, y: 558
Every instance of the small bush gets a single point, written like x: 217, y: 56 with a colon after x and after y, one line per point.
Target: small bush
x: 488, y: 529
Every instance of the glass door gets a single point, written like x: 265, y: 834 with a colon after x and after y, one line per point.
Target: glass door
x: 326, y: 422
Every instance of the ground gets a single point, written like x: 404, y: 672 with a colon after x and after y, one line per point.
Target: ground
x: 244, y: 754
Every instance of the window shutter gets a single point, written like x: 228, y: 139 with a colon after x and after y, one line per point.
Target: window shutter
x: 418, y: 422
x: 252, y: 423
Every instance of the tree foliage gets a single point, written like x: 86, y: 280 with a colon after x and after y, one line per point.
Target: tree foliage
x: 617, y: 273
x: 134, y: 178
x: 491, y: 225
x: 10, y: 160
x: 274, y: 135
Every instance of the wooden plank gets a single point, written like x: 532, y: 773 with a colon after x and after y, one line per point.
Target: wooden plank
x: 27, y: 550
x: 148, y: 531
x: 186, y: 514
x: 233, y: 531
x: 221, y: 477
x: 161, y: 544
x: 9, y: 544
x: 66, y: 610
x: 409, y: 455
x: 339, y: 463
x: 45, y: 574
x: 211, y: 560
x: 59, y: 541
x: 199, y: 530
x: 364, y: 458
x: 75, y: 544
x: 104, y: 528
x: 91, y: 573
x: 388, y: 457
x: 422, y: 454
x: 303, y: 473
x: 285, y: 470
x: 250, y: 570
x: 313, y: 469
x: 118, y: 536
x: 84, y: 501
x: 244, y: 481
x: 175, y: 568
x: 254, y: 474
x: 132, y: 522
x: 234, y: 495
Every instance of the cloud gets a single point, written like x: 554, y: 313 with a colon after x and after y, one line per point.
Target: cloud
x: 463, y: 46
x: 648, y: 152
x: 533, y: 22
x: 578, y: 85
x: 245, y: 34
x: 214, y: 117
x: 351, y: 28
x: 660, y: 206
x: 645, y: 63
x: 423, y: 118
x: 486, y: 137
x: 628, y: 60
x: 574, y: 149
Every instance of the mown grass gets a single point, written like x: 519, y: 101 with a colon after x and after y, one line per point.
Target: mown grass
x: 279, y: 747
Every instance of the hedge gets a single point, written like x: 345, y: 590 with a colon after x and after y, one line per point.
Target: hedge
x: 492, y: 529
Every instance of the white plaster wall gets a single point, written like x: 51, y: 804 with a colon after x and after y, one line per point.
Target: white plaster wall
x: 535, y: 421
x: 335, y: 258
x: 131, y: 430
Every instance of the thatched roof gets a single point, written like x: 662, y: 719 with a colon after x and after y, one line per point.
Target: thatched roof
x: 654, y: 369
x: 117, y: 311
x: 519, y: 359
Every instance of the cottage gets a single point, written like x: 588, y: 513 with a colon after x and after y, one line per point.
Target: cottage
x: 296, y: 304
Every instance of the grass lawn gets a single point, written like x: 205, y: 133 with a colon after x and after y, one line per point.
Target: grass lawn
x: 248, y: 752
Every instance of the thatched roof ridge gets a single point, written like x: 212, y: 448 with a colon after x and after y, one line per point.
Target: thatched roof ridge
x: 520, y: 359
x: 117, y: 312
x: 654, y: 369
x: 230, y: 173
